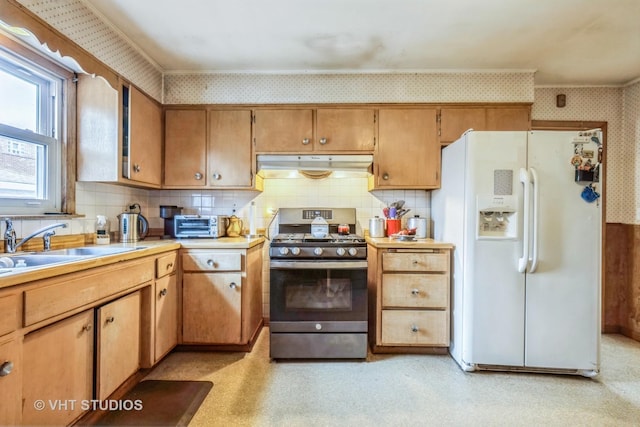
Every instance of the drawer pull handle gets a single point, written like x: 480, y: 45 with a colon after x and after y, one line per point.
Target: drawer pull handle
x: 163, y: 292
x: 415, y: 292
x: 110, y: 319
x: 86, y: 328
x: 414, y: 328
x: 6, y: 368
x: 169, y: 266
x: 414, y: 262
x: 233, y: 285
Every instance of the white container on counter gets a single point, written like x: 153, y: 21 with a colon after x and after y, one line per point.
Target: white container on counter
x: 420, y: 224
x: 376, y: 227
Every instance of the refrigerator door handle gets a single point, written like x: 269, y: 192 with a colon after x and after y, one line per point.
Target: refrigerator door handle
x: 525, y: 179
x: 536, y: 220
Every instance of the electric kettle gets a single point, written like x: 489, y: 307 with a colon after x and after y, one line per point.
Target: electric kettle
x: 133, y: 226
x: 235, y: 226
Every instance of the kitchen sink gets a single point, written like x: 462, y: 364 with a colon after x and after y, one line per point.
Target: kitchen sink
x: 38, y: 260
x: 90, y: 251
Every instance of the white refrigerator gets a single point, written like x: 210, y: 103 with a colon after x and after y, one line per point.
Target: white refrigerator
x: 523, y: 212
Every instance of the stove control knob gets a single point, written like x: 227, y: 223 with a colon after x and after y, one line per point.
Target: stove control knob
x: 284, y: 251
x: 318, y: 251
x: 341, y: 251
x: 295, y: 251
x: 353, y: 251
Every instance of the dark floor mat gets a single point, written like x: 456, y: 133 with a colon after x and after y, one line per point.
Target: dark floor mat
x: 163, y: 403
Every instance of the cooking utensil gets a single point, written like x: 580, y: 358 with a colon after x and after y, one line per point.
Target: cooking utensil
x: 402, y: 212
x: 393, y: 212
x: 343, y: 229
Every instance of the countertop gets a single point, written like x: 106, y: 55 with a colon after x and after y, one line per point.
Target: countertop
x: 389, y: 242
x: 145, y: 248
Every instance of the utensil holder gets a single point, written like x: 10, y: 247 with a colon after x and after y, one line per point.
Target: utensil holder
x: 393, y: 226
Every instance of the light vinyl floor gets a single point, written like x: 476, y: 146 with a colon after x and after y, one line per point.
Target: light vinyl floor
x: 405, y: 390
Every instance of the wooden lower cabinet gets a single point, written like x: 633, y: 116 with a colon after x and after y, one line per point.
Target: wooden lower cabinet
x: 221, y: 295
x: 212, y: 308
x: 118, y: 343
x: 410, y: 289
x: 10, y: 382
x: 58, y: 371
x: 166, y: 315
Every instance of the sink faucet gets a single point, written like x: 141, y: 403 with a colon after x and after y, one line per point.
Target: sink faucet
x: 10, y: 245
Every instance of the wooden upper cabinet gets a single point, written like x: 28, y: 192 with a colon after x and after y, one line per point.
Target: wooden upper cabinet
x: 455, y: 121
x: 408, y: 154
x: 119, y: 134
x: 283, y: 130
x: 185, y: 148
x: 229, y: 149
x: 145, y: 139
x: 517, y: 118
x: 340, y: 129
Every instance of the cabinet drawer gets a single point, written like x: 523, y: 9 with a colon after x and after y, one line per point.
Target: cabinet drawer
x: 415, y: 261
x: 9, y: 320
x: 81, y: 289
x: 166, y: 264
x: 415, y: 290
x: 415, y: 327
x: 194, y: 261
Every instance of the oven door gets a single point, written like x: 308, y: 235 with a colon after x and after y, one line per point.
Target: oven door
x: 318, y: 296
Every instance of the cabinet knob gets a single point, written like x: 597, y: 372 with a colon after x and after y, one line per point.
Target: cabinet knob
x: 414, y: 328
x: 198, y: 176
x: 163, y: 292
x: 415, y: 292
x: 6, y: 368
x: 110, y: 319
x: 414, y: 262
x: 306, y: 141
x: 210, y: 263
x: 233, y: 285
x: 217, y: 176
x: 323, y: 141
x: 385, y: 176
x: 87, y: 327
x: 136, y: 168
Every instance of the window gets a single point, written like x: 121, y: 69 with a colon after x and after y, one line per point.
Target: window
x: 30, y: 149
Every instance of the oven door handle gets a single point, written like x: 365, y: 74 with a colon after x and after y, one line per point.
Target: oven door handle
x: 317, y: 265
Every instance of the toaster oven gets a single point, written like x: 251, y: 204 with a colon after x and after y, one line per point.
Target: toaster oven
x: 200, y: 226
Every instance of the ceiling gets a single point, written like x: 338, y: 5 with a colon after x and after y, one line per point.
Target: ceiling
x: 566, y: 42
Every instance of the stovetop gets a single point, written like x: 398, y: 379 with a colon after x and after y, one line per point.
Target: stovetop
x: 308, y: 238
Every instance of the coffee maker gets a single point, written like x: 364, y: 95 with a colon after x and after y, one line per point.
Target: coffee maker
x: 168, y: 212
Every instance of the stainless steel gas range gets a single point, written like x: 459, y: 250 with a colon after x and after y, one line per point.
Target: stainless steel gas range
x: 318, y: 285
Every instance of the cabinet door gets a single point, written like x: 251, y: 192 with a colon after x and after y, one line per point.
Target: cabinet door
x: 118, y: 350
x: 145, y: 144
x: 166, y: 315
x: 283, y: 131
x: 517, y: 118
x: 58, y: 370
x: 229, y: 149
x: 455, y: 121
x: 340, y: 129
x: 185, y: 147
x: 408, y: 153
x: 211, y: 308
x: 10, y: 383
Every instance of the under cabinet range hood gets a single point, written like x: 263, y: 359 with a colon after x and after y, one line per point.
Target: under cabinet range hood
x: 276, y: 165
